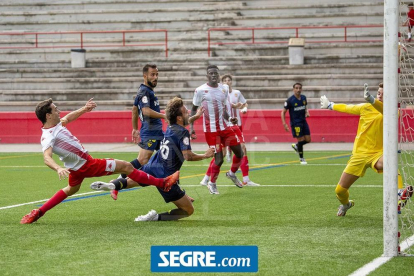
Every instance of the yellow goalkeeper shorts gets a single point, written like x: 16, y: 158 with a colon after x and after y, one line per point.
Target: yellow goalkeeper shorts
x: 358, y: 163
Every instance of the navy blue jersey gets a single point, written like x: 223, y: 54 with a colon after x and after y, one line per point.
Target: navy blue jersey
x: 297, y: 109
x: 150, y: 127
x: 169, y: 158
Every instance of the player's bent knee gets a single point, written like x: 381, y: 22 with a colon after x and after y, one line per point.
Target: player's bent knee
x: 189, y: 209
x: 124, y: 167
x: 379, y: 166
x: 71, y: 190
x: 218, y: 161
x: 340, y: 191
x: 240, y: 155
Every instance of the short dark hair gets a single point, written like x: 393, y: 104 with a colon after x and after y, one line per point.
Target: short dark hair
x: 411, y: 4
x: 381, y: 85
x: 173, y: 110
x: 298, y: 83
x: 43, y: 108
x: 212, y: 66
x: 147, y: 66
x: 226, y: 76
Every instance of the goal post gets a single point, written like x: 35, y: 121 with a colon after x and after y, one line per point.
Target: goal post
x: 390, y: 165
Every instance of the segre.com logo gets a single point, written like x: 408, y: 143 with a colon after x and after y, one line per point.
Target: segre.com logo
x: 204, y: 258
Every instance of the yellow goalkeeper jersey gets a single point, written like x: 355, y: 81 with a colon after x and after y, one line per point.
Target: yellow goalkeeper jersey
x: 370, y: 127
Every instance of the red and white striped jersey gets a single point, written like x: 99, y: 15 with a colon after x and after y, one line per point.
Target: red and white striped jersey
x: 65, y: 145
x: 214, y: 100
x: 235, y: 96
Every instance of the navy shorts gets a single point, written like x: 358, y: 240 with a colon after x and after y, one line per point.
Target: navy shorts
x: 150, y: 144
x: 300, y: 130
x: 174, y: 194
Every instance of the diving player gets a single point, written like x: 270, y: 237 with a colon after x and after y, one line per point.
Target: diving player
x: 368, y: 147
x: 175, y: 148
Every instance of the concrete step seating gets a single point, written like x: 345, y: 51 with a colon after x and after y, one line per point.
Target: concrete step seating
x: 132, y: 15
x: 192, y: 70
x: 180, y: 81
x: 21, y: 73
x: 113, y: 74
x: 237, y: 61
x: 194, y: 51
x: 180, y: 38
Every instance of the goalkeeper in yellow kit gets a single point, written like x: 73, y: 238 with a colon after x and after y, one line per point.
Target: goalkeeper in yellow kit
x: 368, y: 148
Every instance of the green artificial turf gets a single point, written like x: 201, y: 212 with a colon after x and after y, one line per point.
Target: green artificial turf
x: 291, y: 217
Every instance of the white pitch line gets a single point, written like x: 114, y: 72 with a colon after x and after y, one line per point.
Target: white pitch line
x: 198, y: 185
x: 43, y: 200
x: 376, y: 263
x: 370, y: 267
x: 407, y: 243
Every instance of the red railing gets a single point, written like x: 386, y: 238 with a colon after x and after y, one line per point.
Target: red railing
x: 37, y: 43
x: 254, y: 41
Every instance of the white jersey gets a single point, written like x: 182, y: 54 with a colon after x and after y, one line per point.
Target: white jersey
x: 65, y: 145
x: 214, y: 101
x: 235, y: 96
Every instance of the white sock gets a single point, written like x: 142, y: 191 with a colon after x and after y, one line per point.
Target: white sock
x: 231, y: 173
x: 409, y: 35
x: 246, y: 179
x: 206, y: 178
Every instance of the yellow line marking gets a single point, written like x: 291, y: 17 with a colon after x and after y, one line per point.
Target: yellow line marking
x: 23, y: 166
x: 290, y: 162
x: 18, y: 156
x: 276, y: 164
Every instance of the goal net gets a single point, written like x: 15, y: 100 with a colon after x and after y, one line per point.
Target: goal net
x: 406, y: 134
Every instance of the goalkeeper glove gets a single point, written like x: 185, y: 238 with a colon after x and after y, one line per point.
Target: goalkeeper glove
x: 326, y: 104
x: 368, y: 97
x: 244, y: 110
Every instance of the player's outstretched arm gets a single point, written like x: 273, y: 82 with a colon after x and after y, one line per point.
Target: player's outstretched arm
x: 47, y: 157
x: 345, y: 108
x: 369, y: 98
x: 326, y: 104
x: 189, y: 155
x: 378, y: 105
x: 72, y: 116
x: 192, y: 131
x: 148, y: 112
x: 197, y: 115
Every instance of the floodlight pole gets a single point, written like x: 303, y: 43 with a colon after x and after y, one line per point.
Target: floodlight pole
x: 390, y: 178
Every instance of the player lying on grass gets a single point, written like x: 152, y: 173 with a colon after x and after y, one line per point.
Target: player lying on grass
x: 78, y: 164
x: 175, y: 148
